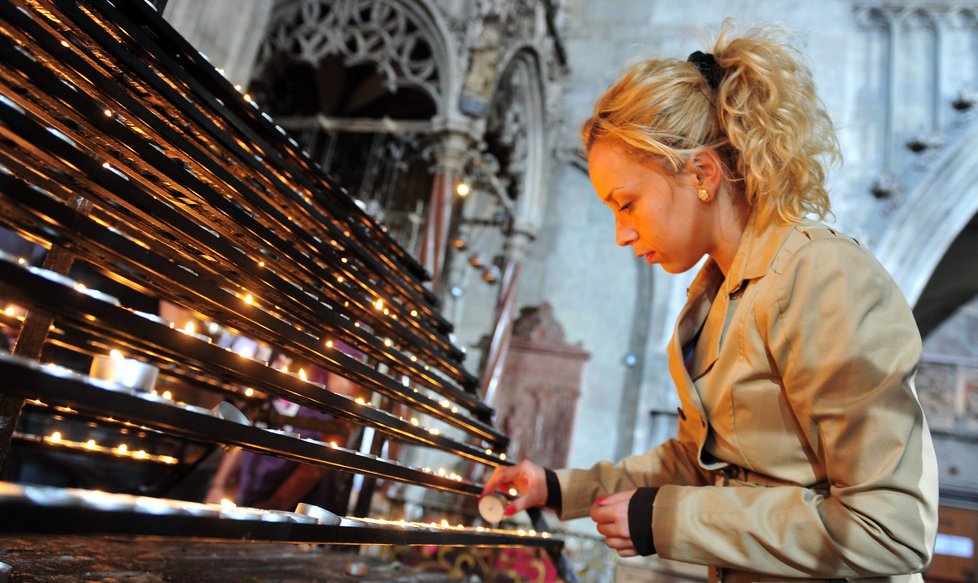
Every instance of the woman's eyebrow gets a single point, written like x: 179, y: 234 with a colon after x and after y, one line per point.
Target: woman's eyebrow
x: 611, y: 193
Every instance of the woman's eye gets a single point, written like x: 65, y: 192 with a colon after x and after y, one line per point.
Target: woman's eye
x: 625, y: 207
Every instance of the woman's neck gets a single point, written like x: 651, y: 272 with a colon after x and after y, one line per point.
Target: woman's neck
x: 731, y: 215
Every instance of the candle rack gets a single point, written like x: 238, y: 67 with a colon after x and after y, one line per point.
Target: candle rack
x: 125, y: 149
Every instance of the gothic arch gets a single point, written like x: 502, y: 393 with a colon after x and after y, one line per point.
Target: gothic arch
x: 523, y: 66
x: 936, y: 212
x: 407, y: 40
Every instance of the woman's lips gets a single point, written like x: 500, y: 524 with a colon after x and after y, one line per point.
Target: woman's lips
x: 649, y: 257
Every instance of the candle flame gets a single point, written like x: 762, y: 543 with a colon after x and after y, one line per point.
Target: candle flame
x: 10, y: 311
x: 302, y: 375
x: 379, y: 304
x: 90, y: 444
x: 115, y: 354
x: 502, y: 456
x: 513, y: 492
x: 329, y: 344
x: 167, y: 395
x: 414, y: 421
x: 56, y: 436
x: 123, y: 448
x: 227, y: 503
x: 190, y: 328
x: 248, y: 299
x: 249, y: 392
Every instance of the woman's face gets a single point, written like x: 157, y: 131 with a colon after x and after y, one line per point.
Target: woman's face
x: 657, y: 213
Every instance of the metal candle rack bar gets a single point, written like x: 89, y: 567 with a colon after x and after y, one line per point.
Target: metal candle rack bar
x: 194, y: 195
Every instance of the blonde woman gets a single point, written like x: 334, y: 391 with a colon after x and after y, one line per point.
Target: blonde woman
x: 802, y: 451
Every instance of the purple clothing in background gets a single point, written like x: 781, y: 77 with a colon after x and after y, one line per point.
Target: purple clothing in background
x: 261, y: 475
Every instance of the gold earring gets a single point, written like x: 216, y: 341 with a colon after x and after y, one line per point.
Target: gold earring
x: 703, y: 194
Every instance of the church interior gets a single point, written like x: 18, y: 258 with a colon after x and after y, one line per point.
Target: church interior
x: 282, y: 281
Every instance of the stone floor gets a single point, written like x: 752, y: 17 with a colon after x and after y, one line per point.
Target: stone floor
x: 121, y: 559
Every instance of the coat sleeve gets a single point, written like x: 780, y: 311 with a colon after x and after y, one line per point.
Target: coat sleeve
x: 673, y: 462
x: 846, y: 348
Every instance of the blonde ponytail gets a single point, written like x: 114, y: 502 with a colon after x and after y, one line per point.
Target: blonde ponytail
x: 764, y: 119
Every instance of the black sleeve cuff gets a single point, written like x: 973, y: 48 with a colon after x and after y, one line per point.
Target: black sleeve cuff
x: 640, y: 520
x: 554, y: 500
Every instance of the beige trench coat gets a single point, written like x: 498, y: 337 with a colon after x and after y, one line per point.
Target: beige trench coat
x: 802, y: 450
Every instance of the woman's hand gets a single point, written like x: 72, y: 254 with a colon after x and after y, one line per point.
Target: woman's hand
x: 527, y: 478
x: 611, y: 517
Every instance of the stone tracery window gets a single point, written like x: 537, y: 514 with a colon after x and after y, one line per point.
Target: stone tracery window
x: 334, y: 72
x: 383, y: 33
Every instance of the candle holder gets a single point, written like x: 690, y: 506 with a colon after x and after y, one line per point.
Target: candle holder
x: 126, y: 372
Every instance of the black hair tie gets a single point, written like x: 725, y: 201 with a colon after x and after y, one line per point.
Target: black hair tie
x: 707, y: 65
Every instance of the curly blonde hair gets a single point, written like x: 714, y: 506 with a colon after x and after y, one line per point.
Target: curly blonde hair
x: 764, y: 120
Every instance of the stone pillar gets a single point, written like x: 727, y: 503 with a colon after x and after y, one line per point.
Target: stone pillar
x: 495, y: 361
x: 536, y: 401
x: 229, y: 32
x: 451, y: 155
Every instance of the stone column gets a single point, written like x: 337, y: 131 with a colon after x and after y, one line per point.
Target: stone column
x: 450, y: 157
x: 495, y: 360
x: 229, y: 32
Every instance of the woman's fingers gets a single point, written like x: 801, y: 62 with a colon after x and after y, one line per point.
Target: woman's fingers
x: 500, y: 479
x: 610, y: 516
x: 525, y: 478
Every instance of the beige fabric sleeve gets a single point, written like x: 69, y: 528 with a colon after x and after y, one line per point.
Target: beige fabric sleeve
x: 673, y: 462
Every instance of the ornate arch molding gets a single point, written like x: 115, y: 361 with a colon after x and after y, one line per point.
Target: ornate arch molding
x: 407, y: 40
x: 518, y: 108
x: 936, y: 211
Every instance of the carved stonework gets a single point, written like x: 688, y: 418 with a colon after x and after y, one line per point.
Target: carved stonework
x: 537, y: 398
x: 382, y: 32
x: 538, y: 324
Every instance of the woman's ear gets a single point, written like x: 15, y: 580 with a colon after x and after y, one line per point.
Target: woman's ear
x: 706, y: 169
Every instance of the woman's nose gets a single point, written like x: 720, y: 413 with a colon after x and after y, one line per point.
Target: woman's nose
x: 624, y: 233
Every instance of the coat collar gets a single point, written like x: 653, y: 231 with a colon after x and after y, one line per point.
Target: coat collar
x: 758, y: 246
x: 757, y: 249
